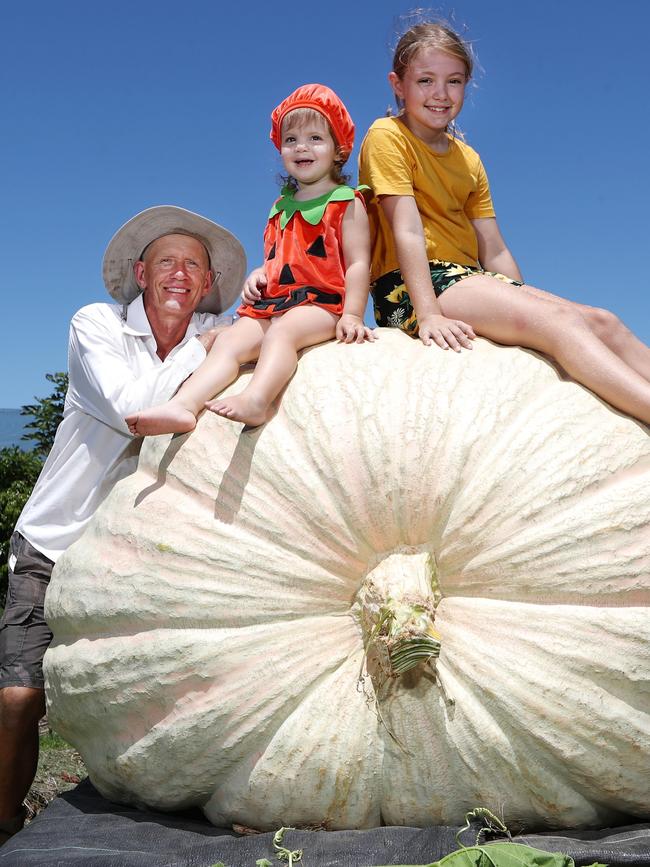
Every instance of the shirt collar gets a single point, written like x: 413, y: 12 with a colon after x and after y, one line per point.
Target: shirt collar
x: 138, y: 325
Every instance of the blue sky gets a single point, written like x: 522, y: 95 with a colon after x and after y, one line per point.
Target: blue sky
x: 109, y: 108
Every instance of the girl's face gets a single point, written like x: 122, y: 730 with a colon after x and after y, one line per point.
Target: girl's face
x: 432, y: 90
x: 308, y: 152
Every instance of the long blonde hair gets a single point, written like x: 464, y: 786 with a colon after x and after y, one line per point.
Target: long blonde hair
x: 431, y: 34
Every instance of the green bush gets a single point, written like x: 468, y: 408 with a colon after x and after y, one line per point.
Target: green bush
x: 18, y: 472
x: 19, y: 469
x: 46, y: 413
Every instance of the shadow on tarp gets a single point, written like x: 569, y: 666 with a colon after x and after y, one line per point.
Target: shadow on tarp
x: 81, y: 827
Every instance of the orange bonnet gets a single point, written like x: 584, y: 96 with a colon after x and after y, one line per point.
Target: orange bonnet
x: 323, y: 100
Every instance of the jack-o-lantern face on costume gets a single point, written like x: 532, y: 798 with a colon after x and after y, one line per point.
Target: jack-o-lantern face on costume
x: 303, y: 254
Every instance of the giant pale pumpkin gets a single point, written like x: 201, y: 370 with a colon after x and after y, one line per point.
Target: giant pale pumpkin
x: 229, y: 630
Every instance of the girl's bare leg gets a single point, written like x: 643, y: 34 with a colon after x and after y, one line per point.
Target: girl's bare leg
x: 507, y: 314
x: 609, y: 329
x: 231, y: 349
x: 618, y: 337
x: 294, y: 330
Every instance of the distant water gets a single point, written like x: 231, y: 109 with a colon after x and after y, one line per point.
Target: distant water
x: 12, y: 427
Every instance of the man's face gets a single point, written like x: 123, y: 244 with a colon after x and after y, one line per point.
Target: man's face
x: 174, y: 274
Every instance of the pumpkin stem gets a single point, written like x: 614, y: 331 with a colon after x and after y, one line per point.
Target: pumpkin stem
x: 397, y: 605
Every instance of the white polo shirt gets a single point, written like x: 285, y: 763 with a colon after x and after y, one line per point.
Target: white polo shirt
x: 114, y: 371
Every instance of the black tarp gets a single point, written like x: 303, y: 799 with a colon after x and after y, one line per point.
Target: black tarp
x: 81, y: 827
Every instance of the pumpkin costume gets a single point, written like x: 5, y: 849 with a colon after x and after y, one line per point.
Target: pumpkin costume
x: 303, y: 249
x: 303, y: 254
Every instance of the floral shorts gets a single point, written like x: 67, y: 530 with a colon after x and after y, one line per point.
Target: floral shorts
x: 393, y: 308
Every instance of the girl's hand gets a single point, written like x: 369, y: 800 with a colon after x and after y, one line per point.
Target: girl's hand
x: 350, y: 329
x: 446, y: 333
x: 255, y: 282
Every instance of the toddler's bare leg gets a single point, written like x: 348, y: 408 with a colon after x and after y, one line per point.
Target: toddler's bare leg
x: 294, y: 330
x: 507, y: 314
x: 234, y: 347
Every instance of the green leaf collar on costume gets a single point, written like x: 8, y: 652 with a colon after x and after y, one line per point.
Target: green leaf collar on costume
x: 312, y: 210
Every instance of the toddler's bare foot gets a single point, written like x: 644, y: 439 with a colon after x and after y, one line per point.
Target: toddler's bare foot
x: 165, y: 418
x: 241, y: 407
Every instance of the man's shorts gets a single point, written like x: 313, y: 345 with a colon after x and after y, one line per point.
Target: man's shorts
x: 24, y: 634
x: 393, y: 307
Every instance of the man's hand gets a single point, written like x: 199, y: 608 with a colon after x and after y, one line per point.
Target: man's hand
x: 255, y: 282
x: 446, y: 333
x: 350, y: 329
x: 208, y: 337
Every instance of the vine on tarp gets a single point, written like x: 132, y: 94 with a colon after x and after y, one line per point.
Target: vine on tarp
x: 283, y: 854
x: 491, y: 825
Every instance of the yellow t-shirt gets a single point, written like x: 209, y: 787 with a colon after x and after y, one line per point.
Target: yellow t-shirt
x: 450, y: 190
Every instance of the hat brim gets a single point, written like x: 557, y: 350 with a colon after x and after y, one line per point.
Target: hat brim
x: 227, y: 257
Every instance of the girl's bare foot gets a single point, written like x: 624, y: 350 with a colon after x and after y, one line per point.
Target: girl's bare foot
x: 165, y: 418
x: 241, y: 407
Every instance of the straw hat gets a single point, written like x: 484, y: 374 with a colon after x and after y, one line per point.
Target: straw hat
x: 227, y: 257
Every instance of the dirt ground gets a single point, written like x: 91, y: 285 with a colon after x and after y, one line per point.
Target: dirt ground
x: 60, y: 768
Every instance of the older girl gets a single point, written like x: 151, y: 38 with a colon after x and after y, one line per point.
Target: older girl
x: 440, y: 267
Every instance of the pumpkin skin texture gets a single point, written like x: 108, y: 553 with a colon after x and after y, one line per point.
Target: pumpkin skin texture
x: 209, y: 627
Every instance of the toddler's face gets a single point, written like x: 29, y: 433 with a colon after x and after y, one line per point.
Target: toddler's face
x: 308, y: 150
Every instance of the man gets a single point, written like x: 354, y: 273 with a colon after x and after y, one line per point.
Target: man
x: 162, y: 267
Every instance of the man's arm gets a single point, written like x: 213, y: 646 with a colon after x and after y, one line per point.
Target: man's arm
x: 108, y: 384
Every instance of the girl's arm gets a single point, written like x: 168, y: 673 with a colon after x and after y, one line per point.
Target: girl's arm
x: 406, y: 224
x: 356, y: 255
x: 493, y: 254
x: 253, y: 285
